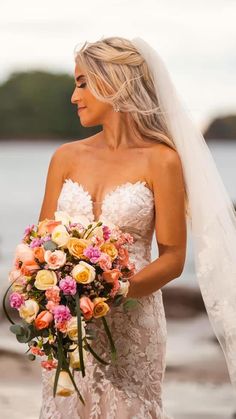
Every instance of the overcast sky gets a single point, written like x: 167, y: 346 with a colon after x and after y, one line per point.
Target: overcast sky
x: 197, y: 40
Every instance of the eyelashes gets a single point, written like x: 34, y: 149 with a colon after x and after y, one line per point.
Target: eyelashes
x: 82, y: 86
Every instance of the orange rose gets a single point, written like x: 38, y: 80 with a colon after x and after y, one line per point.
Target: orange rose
x: 111, y: 276
x: 110, y: 250
x: 29, y: 267
x: 39, y: 254
x: 86, y: 306
x: 77, y: 246
x: 43, y: 320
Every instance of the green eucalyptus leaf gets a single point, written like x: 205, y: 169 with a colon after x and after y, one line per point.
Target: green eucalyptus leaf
x: 22, y: 338
x: 50, y: 245
x: 130, y: 304
x: 17, y: 329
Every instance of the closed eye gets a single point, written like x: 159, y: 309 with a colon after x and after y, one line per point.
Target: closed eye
x: 82, y: 85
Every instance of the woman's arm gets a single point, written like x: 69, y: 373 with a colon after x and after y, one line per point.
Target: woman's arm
x: 54, y: 182
x: 170, y: 224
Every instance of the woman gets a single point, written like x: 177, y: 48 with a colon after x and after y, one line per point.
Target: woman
x: 129, y: 174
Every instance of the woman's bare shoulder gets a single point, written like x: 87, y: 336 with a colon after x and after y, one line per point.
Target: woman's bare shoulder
x: 73, y: 149
x: 163, y: 159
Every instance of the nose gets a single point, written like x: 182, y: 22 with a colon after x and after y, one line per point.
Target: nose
x: 75, y: 96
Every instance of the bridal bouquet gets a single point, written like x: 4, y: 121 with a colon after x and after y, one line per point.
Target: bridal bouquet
x: 67, y: 273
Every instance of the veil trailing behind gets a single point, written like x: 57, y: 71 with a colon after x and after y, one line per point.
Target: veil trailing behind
x: 211, y: 216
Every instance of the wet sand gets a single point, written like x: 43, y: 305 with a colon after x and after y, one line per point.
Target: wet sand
x: 196, y: 383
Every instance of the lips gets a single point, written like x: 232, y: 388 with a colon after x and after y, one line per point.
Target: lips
x: 81, y: 108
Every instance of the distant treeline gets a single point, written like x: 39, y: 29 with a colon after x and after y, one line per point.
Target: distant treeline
x: 37, y: 105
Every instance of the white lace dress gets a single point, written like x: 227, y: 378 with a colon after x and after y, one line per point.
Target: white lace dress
x: 132, y: 387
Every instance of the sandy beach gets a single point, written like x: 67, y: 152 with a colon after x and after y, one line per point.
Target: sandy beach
x: 196, y: 382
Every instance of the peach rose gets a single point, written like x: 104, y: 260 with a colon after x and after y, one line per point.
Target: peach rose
x: 110, y: 249
x: 39, y: 254
x: 86, y: 306
x: 47, y: 226
x: 77, y: 246
x: 56, y: 259
x: 43, y: 320
x: 100, y: 307
x: 23, y: 253
x: 29, y: 267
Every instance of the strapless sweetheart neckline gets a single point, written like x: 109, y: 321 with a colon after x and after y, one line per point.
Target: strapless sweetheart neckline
x: 107, y: 194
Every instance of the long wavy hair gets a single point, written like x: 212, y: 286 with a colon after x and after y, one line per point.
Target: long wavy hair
x: 116, y: 73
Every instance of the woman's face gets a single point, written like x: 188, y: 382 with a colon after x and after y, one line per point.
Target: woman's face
x: 91, y: 111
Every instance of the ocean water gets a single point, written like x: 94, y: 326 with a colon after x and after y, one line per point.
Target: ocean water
x: 23, y: 169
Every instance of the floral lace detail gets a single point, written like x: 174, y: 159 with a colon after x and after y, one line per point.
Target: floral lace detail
x: 130, y: 388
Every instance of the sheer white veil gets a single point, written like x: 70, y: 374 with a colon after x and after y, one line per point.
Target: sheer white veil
x: 212, y: 216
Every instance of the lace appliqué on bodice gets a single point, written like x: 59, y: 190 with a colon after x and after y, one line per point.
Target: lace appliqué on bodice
x: 131, y: 388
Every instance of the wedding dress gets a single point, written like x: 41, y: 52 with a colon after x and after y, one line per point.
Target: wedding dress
x: 132, y: 387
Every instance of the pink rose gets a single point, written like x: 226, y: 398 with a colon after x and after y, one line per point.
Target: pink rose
x: 56, y: 259
x: 43, y: 320
x: 105, y: 262
x: 86, y: 306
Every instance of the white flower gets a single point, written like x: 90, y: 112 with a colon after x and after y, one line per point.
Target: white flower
x: 29, y: 310
x: 60, y: 235
x: 72, y: 329
x: 74, y: 356
x: 124, y: 288
x: 81, y: 219
x: 65, y: 386
x: 63, y: 217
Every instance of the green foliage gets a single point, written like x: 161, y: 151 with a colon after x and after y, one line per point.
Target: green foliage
x: 37, y: 104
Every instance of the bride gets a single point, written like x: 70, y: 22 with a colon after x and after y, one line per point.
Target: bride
x: 134, y: 173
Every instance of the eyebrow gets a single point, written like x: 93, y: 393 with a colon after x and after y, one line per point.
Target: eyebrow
x: 80, y: 77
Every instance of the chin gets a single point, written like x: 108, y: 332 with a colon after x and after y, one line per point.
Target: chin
x: 89, y: 123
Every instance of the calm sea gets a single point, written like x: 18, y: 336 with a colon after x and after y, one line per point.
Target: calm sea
x: 23, y: 168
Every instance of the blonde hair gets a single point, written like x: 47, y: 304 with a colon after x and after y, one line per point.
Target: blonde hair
x: 116, y: 73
